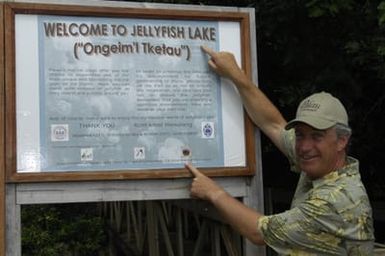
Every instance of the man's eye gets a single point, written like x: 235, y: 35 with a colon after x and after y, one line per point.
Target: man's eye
x: 298, y: 136
x: 317, y: 136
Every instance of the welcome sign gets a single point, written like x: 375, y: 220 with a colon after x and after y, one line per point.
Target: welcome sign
x: 122, y: 93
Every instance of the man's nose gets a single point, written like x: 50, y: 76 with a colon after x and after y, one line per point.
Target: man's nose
x: 305, y: 144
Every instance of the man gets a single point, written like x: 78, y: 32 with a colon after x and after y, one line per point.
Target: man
x: 330, y: 212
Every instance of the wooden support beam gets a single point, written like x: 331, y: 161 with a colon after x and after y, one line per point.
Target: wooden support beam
x: 166, y: 236
x: 229, y: 243
x: 215, y: 239
x: 179, y: 232
x: 152, y: 229
x: 202, y: 234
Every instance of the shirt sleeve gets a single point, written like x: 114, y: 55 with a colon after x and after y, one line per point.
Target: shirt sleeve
x: 288, y: 142
x: 311, y: 228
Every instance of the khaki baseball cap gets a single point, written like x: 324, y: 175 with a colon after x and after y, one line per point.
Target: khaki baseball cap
x: 321, y: 111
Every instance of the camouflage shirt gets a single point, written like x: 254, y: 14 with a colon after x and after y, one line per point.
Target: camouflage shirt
x: 328, y: 216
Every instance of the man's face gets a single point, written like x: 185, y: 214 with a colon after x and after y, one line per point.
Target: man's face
x: 319, y: 152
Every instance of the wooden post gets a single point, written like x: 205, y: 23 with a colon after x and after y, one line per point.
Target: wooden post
x: 2, y: 146
x: 13, y: 222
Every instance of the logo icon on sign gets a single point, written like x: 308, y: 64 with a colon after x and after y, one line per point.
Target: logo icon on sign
x: 208, y: 131
x: 59, y: 132
x: 86, y: 154
x: 139, y: 153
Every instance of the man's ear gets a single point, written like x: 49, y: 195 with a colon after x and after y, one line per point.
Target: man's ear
x: 342, y: 142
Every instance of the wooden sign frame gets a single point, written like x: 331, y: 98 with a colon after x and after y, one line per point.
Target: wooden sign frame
x: 8, y: 99
x: 2, y: 139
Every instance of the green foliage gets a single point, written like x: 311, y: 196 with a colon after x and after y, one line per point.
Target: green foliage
x: 336, y: 46
x: 381, y: 13
x: 61, y: 230
x: 318, y: 8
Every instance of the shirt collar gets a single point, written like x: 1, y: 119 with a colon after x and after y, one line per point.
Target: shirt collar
x: 351, y: 168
